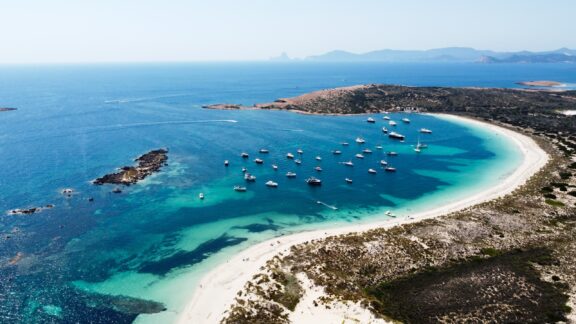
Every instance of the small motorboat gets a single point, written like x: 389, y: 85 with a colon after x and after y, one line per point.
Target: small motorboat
x: 291, y: 175
x: 392, y: 153
x: 336, y: 152
x: 367, y: 151
x: 386, y: 118
x: 384, y: 130
x: 314, y: 181
x: 390, y: 169
x: 299, y: 151
x: 359, y: 156
x: 258, y: 161
x: 425, y: 131
x: 290, y: 156
x: 360, y: 140
x: 264, y: 151
x: 318, y: 158
x: 406, y: 120
x: 297, y: 161
x: 370, y: 120
x: 239, y: 188
x: 117, y: 190
x: 382, y: 162
x: 271, y: 184
x: 244, y: 170
x: 201, y: 196
x: 275, y: 167
x: 372, y: 171
x: 244, y: 155
x: 378, y: 147
x: 349, y: 163
x: 226, y: 163
x: 250, y: 178
x: 392, y: 123
x: 344, y: 143
x: 348, y: 180
x: 318, y: 169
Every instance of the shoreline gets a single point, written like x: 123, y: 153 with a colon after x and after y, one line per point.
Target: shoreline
x: 223, y: 282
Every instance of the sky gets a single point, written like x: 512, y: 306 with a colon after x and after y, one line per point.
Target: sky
x: 71, y: 31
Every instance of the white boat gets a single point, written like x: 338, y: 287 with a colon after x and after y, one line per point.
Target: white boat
x: 378, y: 147
x: 392, y: 123
x: 336, y: 152
x: 359, y: 156
x: 386, y: 118
x: 297, y: 161
x: 226, y: 163
x: 249, y: 177
x: 258, y: 161
x: 244, y: 155
x: 244, y: 170
x: 390, y: 169
x: 371, y: 171
x: 348, y: 180
x: 344, y: 143
x: 318, y: 158
x: 371, y: 120
x: 290, y: 156
x: 314, y: 181
x: 318, y: 169
x: 290, y: 174
x: 398, y: 136
x: 264, y: 151
x: 348, y: 163
x: 382, y: 162
x: 274, y: 166
x: 418, y: 146
x: 239, y: 188
x: 271, y: 184
x: 360, y: 140
x: 425, y: 131
x: 392, y: 153
x: 367, y: 151
x: 201, y: 196
x: 406, y: 120
x: 384, y: 130
x: 299, y: 151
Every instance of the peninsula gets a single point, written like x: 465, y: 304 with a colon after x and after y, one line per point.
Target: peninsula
x: 506, y: 254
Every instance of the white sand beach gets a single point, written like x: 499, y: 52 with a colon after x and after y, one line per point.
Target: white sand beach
x: 217, y: 289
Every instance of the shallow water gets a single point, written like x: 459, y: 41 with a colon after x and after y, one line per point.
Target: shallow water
x: 76, y: 123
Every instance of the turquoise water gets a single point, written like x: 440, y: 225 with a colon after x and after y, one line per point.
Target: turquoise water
x: 156, y: 239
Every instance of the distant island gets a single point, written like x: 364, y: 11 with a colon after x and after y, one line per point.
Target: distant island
x: 448, y: 54
x: 6, y: 109
x: 541, y: 83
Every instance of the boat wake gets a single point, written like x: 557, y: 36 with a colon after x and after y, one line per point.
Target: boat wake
x: 129, y: 100
x: 172, y: 122
x: 325, y: 204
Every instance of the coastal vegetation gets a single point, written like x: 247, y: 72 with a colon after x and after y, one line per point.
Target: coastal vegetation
x: 510, y: 259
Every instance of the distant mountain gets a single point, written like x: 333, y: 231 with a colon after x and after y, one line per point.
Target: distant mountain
x: 450, y: 54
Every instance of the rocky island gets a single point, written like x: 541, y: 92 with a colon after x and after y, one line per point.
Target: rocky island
x: 6, y: 109
x: 510, y: 259
x: 148, y: 164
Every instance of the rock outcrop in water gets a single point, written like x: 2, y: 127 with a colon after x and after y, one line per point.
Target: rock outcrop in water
x: 148, y: 164
x: 6, y: 109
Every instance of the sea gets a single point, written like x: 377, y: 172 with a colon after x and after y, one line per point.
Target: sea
x: 137, y: 256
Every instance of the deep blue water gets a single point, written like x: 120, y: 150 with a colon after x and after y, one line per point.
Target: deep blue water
x: 75, y: 123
